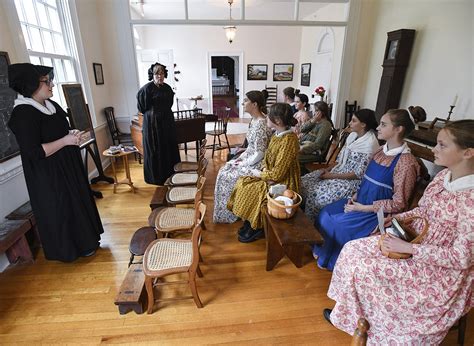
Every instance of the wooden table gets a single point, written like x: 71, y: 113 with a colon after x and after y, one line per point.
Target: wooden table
x: 288, y: 237
x: 124, y: 156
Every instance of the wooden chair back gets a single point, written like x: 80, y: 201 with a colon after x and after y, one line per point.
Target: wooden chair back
x: 339, y: 144
x: 220, y: 126
x: 196, y: 237
x: 111, y: 123
x: 349, y: 109
x: 421, y: 184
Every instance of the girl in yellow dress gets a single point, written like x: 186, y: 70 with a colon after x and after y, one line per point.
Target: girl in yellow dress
x: 280, y: 167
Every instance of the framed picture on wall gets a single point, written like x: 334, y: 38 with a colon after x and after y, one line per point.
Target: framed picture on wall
x: 98, y: 73
x: 305, y: 74
x: 257, y: 72
x: 283, y: 72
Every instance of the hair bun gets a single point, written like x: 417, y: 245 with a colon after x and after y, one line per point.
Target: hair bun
x: 297, y: 91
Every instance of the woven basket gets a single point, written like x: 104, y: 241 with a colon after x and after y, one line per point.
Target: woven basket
x: 278, y: 211
x: 416, y: 238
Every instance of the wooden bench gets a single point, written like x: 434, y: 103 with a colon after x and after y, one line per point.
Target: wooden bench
x: 159, y: 197
x: 288, y: 237
x: 13, y: 241
x: 25, y: 212
x: 132, y: 293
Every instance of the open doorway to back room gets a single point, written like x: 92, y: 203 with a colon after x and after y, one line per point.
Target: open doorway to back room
x: 225, y: 82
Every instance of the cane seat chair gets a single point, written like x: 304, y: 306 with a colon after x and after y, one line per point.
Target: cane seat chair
x: 188, y: 178
x: 184, y: 194
x: 172, y: 219
x: 167, y: 256
x: 189, y: 166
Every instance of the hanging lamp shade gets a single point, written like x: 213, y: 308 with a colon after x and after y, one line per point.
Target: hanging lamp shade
x: 230, y: 31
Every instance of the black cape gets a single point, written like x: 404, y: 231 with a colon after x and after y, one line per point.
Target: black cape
x: 160, y: 149
x: 68, y: 221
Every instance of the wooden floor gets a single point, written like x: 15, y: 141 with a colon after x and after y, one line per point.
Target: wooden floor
x: 52, y: 302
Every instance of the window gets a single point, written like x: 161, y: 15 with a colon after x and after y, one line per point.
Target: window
x: 46, y: 28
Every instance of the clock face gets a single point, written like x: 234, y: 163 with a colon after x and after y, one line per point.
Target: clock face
x: 392, y: 50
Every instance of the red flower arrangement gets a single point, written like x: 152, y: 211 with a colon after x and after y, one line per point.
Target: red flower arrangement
x: 320, y: 91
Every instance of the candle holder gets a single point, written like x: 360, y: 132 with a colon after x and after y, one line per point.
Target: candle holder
x: 450, y: 112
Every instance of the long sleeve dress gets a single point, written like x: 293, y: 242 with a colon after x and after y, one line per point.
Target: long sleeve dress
x: 417, y: 300
x: 314, y: 140
x: 160, y: 150
x: 68, y: 221
x: 388, y: 182
x: 257, y: 137
x: 280, y: 167
x: 318, y: 193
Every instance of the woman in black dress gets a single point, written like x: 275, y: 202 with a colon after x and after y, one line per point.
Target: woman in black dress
x: 160, y: 149
x: 68, y: 221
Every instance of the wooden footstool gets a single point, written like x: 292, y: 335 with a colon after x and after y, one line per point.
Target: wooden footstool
x: 140, y: 241
x: 288, y: 237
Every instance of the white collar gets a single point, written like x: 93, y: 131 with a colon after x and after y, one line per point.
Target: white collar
x: 280, y: 134
x: 48, y: 110
x: 403, y: 149
x: 463, y: 183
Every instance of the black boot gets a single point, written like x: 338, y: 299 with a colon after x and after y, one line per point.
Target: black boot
x: 251, y: 235
x: 327, y: 315
x: 244, y: 228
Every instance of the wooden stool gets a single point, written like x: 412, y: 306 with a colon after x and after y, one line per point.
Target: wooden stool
x: 288, y: 237
x: 131, y: 295
x: 13, y: 241
x: 140, y: 241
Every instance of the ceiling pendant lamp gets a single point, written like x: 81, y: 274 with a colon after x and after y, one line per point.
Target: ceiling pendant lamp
x: 230, y: 30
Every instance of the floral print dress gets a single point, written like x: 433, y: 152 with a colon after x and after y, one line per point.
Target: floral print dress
x: 258, y: 137
x: 318, y: 193
x: 417, y: 300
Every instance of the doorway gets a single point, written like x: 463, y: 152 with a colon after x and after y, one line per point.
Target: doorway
x: 225, y: 81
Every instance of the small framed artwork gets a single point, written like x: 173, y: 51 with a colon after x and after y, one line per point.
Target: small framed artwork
x: 305, y: 74
x: 98, y: 73
x: 257, y: 72
x: 283, y: 72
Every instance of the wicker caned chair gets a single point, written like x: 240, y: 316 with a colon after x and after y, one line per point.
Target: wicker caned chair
x: 184, y: 194
x: 167, y: 256
x: 189, y: 166
x: 188, y: 178
x: 173, y: 219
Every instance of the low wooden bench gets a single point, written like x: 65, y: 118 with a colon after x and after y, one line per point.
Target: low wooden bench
x: 132, y: 293
x: 288, y: 237
x: 13, y: 241
x: 25, y: 212
x: 159, y: 197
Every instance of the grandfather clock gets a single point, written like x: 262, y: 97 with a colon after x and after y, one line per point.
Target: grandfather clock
x: 395, y: 64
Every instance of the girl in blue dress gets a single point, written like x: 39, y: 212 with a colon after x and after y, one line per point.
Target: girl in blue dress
x: 388, y: 183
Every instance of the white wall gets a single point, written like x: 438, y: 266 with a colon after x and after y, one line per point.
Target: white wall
x: 441, y: 64
x: 310, y: 39
x: 260, y: 45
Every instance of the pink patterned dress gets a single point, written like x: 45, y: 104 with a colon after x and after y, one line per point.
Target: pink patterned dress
x: 413, y: 301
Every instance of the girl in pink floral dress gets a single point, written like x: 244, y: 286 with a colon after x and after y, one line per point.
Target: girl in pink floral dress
x: 416, y: 300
